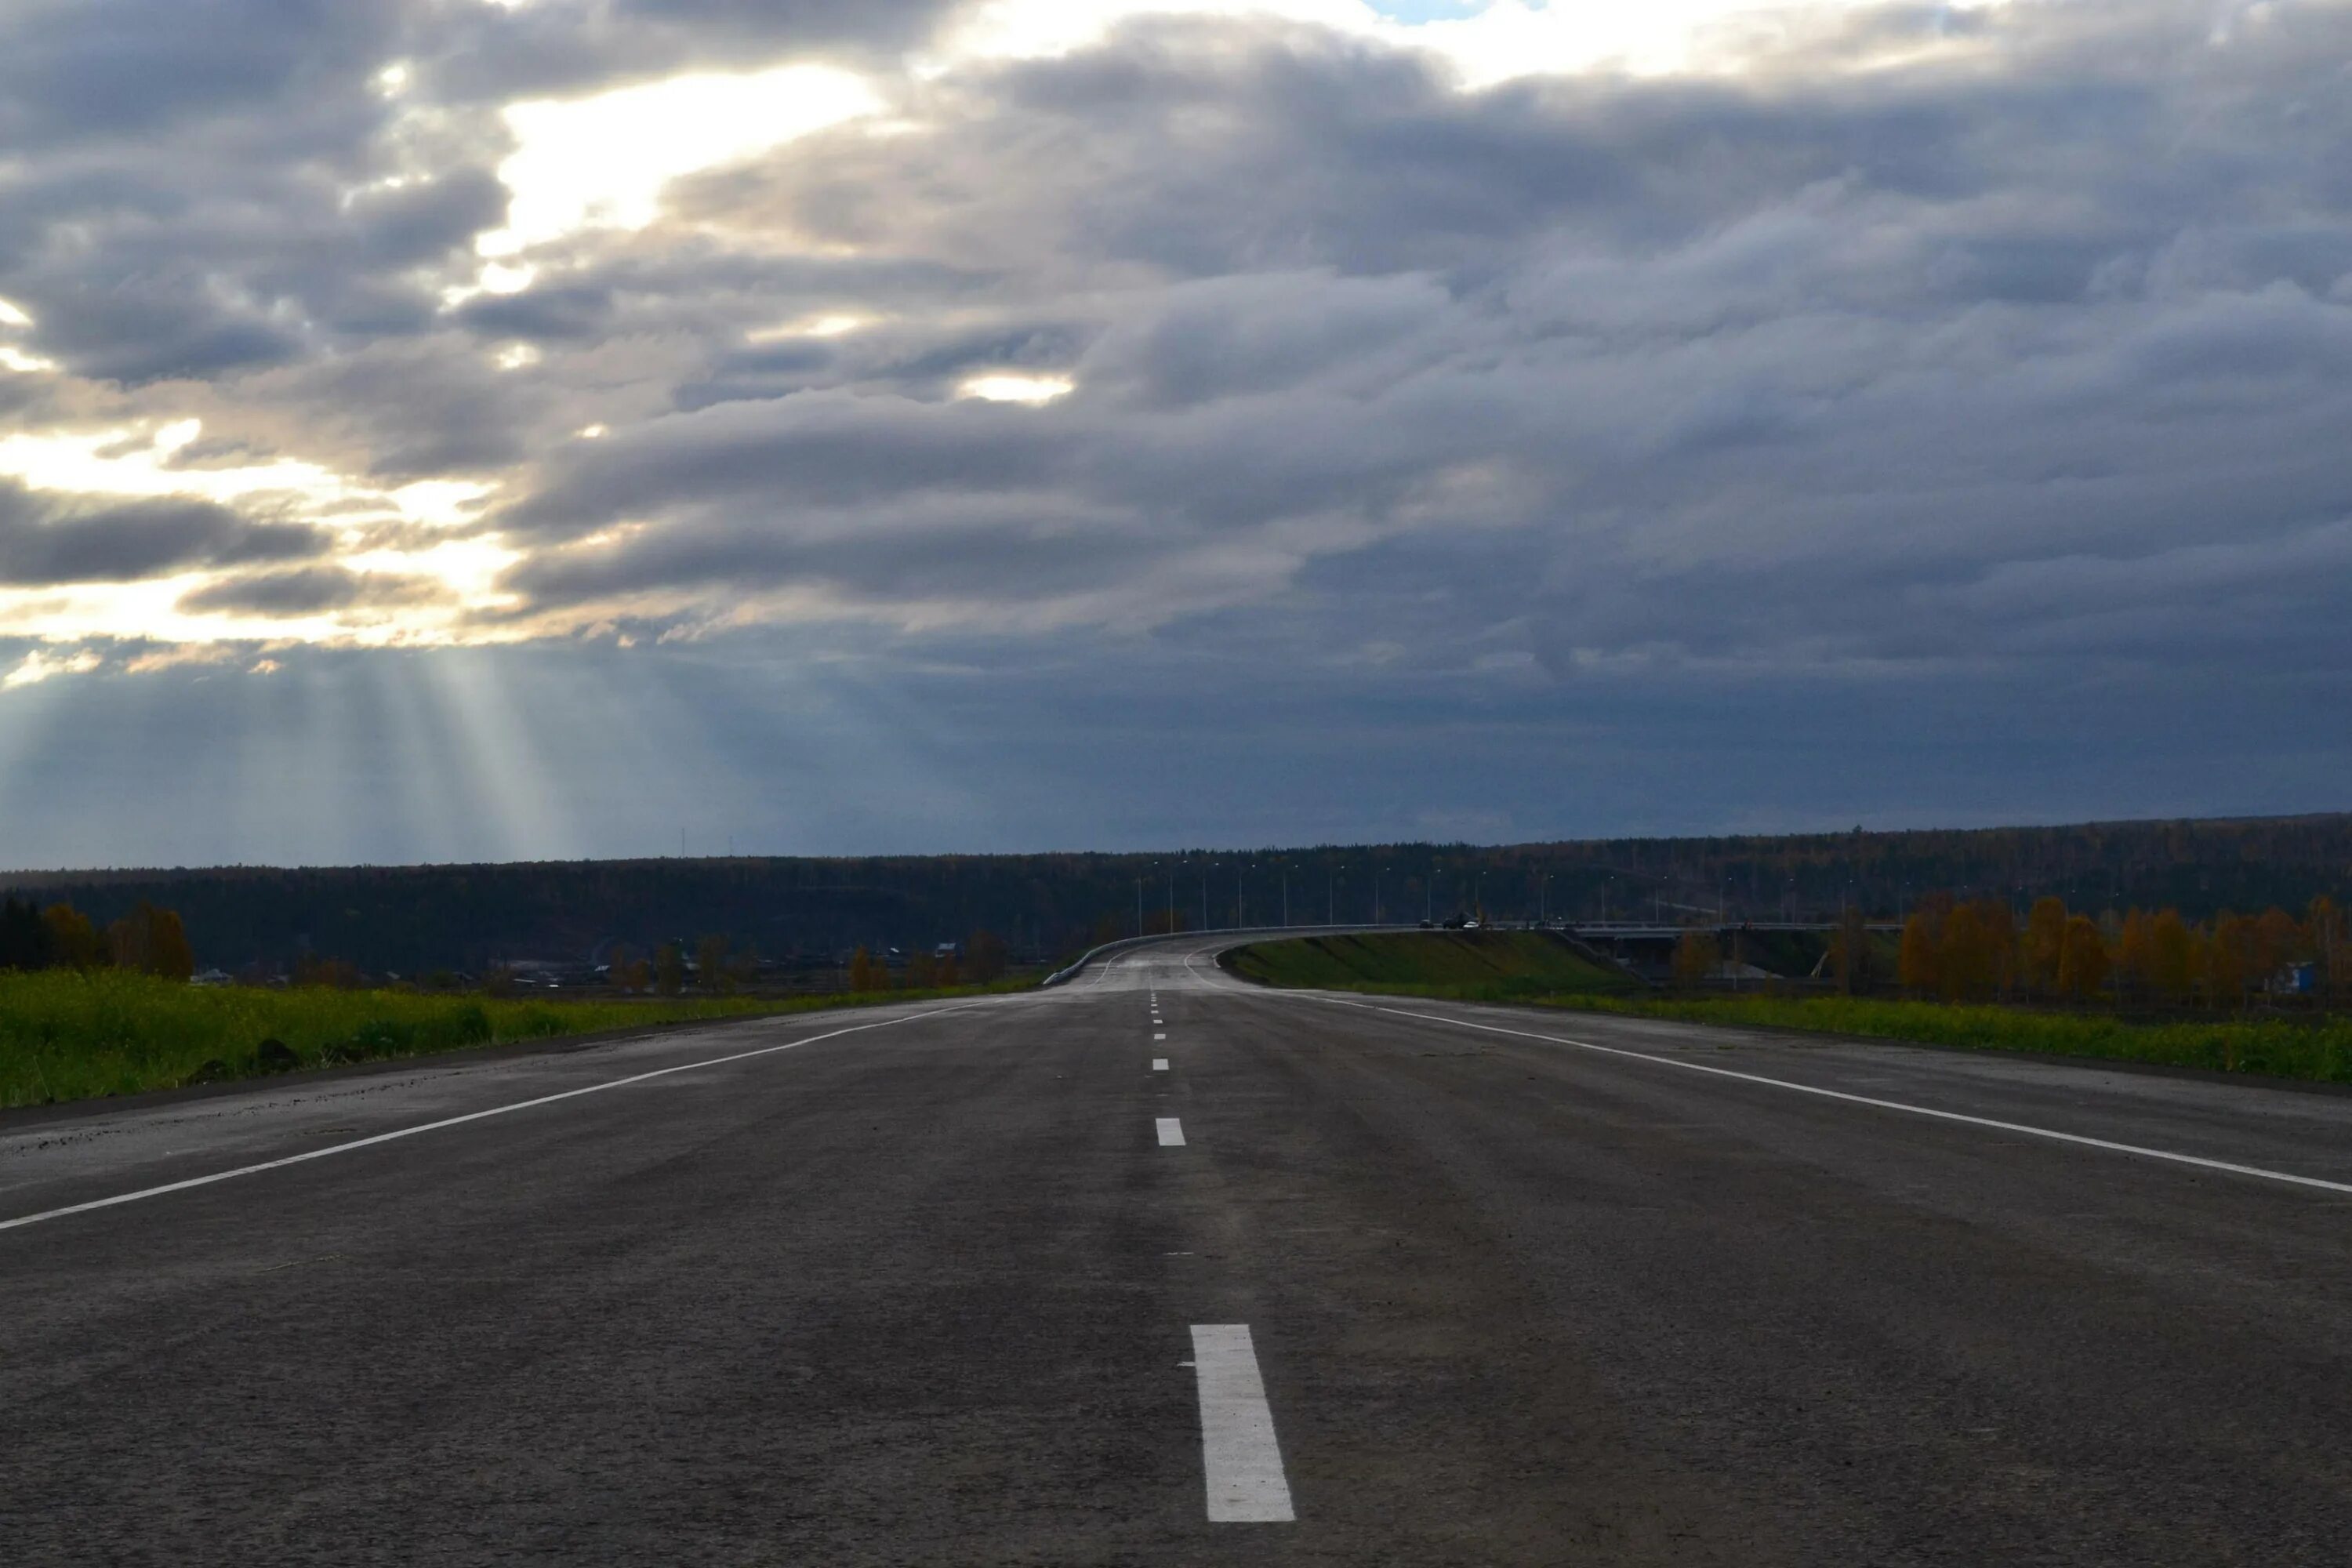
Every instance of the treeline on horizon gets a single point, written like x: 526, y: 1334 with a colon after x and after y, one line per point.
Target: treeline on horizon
x: 413, y: 919
x: 1979, y: 949
x: 146, y: 939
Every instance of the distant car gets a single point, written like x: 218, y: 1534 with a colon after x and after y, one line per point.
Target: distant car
x: 1427, y: 925
x: 1469, y: 925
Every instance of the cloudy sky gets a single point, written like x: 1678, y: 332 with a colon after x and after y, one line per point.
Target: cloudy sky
x: 451, y: 430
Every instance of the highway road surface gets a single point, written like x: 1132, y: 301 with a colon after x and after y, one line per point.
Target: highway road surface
x: 1157, y: 1267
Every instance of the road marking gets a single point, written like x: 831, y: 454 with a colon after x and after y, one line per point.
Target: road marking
x: 1171, y: 1132
x: 1239, y: 1458
x: 1159, y: 1064
x: 182, y: 1186
x: 1159, y: 1037
x: 2051, y: 1133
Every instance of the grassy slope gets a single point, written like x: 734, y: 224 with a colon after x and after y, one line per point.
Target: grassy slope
x: 2318, y: 1051
x: 1479, y: 965
x: 1515, y: 966
x: 64, y: 1036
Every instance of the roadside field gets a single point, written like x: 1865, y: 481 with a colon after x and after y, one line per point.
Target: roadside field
x: 72, y: 1036
x: 1532, y: 967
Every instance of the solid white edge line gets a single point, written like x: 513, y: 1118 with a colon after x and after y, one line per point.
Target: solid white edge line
x: 1171, y: 1131
x: 1241, y: 1462
x: 182, y: 1187
x: 2081, y: 1139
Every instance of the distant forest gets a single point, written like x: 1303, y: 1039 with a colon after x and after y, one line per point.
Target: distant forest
x: 414, y: 919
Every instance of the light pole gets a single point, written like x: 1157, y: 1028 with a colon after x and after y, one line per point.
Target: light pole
x: 1377, y: 872
x: 1238, y: 921
x: 1138, y: 906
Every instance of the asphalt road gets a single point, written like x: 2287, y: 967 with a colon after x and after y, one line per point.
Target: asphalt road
x: 926, y: 1291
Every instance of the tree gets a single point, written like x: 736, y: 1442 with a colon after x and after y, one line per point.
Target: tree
x: 921, y: 975
x: 1849, y: 954
x: 2002, y: 936
x: 1916, y: 966
x: 670, y: 969
x: 335, y: 974
x: 1696, y: 956
x: 2082, y: 959
x: 2228, y: 955
x: 2326, y: 925
x: 2278, y: 940
x: 168, y: 952
x: 2136, y: 956
x: 150, y: 941
x: 625, y: 971
x: 984, y: 957
x: 1966, y: 965
x: 710, y: 966
x: 864, y: 974
x: 73, y: 940
x: 2171, y: 956
x: 2044, y: 946
x: 24, y: 938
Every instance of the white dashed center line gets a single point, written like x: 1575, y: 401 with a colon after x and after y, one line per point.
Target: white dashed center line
x: 1159, y: 1064
x: 1242, y: 1461
x: 1171, y: 1132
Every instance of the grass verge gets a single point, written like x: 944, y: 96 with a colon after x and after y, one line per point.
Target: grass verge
x: 1470, y: 966
x: 65, y: 1036
x: 2317, y: 1052
x: 1521, y: 966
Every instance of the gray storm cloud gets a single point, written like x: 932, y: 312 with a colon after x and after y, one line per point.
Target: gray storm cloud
x: 48, y: 540
x: 2024, y: 361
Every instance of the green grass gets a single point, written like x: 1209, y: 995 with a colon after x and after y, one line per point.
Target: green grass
x: 1470, y: 965
x: 66, y: 1036
x: 2318, y: 1051
x: 1528, y: 966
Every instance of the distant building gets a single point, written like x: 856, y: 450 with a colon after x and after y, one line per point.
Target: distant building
x: 2294, y: 980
